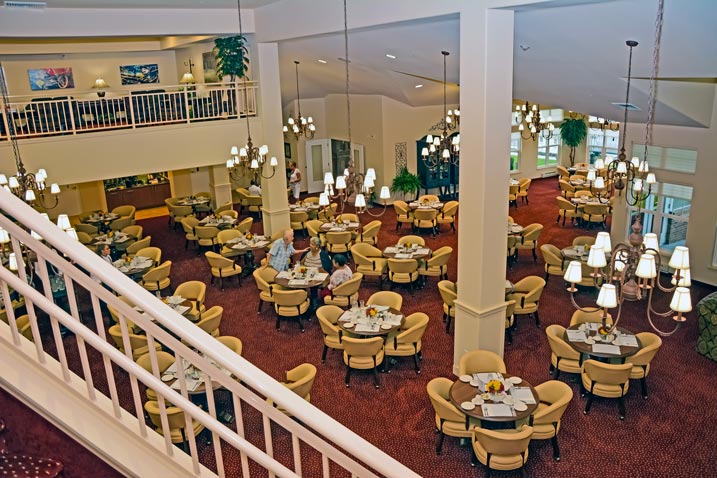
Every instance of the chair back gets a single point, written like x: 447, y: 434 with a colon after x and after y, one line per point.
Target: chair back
x: 231, y: 342
x: 651, y: 343
x: 532, y: 288
x: 264, y: 277
x: 229, y: 213
x: 348, y: 217
x: 338, y: 241
x: 356, y: 347
x: 224, y: 207
x: 583, y: 193
x: 121, y: 223
x: 87, y: 228
x: 581, y: 317
x: 480, y: 361
x: 208, y: 233
x: 289, y: 298
x: 428, y: 198
x: 557, y: 396
x: 401, y: 208
x: 134, y: 230
x: 211, y: 319
x: 159, y: 273
x: 557, y: 343
x: 298, y: 218
x: 245, y: 226
x: 135, y: 247
x: 425, y: 214
x: 531, y: 232
x: 124, y: 211
x: 552, y: 255
x: 500, y: 443
x: 402, y: 266
x: 412, y: 239
x: 300, y: 380
x: 370, y: 232
x: 350, y: 287
x: 192, y: 290
x: 189, y: 223
x: 217, y: 261
x: 584, y: 241
x: 386, y: 298
x: 154, y: 253
x: 164, y: 360
x: 450, y: 209
x: 415, y: 326
x: 439, y: 394
x: 227, y: 235
x: 565, y: 204
x: 607, y: 373
x: 440, y: 257
x: 83, y: 237
x: 448, y: 293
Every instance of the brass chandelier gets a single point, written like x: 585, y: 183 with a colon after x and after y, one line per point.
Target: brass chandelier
x: 444, y: 149
x: 300, y: 126
x: 530, y: 120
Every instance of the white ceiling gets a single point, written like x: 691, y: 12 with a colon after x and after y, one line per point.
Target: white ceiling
x: 155, y: 3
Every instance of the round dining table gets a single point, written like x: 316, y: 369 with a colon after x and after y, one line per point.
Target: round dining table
x: 418, y: 253
x: 619, y: 352
x: 335, y: 227
x: 359, y: 313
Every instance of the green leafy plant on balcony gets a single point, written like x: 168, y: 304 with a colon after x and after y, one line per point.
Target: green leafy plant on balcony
x: 406, y: 183
x: 232, y: 57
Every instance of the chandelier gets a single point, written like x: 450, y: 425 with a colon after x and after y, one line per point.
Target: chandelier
x: 250, y: 158
x: 531, y: 121
x: 443, y: 149
x: 300, y: 126
x: 352, y: 183
x: 634, y: 268
x: 603, y: 124
x: 32, y: 187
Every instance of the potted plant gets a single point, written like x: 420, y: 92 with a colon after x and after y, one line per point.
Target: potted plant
x: 406, y: 183
x: 573, y: 131
x: 232, y: 57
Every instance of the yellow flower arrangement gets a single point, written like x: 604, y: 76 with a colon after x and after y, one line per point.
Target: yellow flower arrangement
x: 339, y: 221
x: 494, y: 386
x: 371, y: 312
x: 408, y: 245
x: 249, y: 236
x: 302, y: 270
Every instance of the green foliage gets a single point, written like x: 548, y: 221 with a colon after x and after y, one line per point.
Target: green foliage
x: 573, y: 131
x: 406, y: 183
x: 232, y: 57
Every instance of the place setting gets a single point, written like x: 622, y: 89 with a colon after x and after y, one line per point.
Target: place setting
x: 373, y: 319
x: 496, y: 396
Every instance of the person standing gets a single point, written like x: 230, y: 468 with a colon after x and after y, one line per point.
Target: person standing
x: 295, y: 181
x: 282, y: 251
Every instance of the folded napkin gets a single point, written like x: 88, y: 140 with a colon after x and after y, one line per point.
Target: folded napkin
x: 497, y: 410
x: 296, y: 282
x: 284, y: 275
x: 391, y: 250
x: 422, y: 250
x: 180, y: 309
x: 346, y: 316
x: 321, y: 276
x: 626, y: 340
x: 336, y: 229
x: 380, y: 308
x: 524, y: 394
x: 372, y: 327
x: 392, y: 319
x: 402, y: 255
x: 606, y: 349
x: 576, y: 336
x: 191, y: 384
x: 487, y: 377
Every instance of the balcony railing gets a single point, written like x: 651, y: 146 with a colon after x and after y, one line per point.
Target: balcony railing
x: 123, y: 109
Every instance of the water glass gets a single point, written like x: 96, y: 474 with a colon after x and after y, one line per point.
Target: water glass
x: 361, y: 304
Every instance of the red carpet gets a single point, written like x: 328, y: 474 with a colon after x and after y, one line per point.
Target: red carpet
x: 672, y: 433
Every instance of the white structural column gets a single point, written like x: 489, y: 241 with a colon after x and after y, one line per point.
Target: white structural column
x: 486, y: 78
x: 275, y: 202
x: 220, y: 184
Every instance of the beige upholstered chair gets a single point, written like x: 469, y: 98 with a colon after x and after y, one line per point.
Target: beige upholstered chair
x: 164, y: 360
x: 363, y: 354
x: 526, y: 294
x: 369, y: 233
x: 566, y: 210
x: 224, y: 207
x: 121, y: 223
x: 290, y: 304
x: 205, y: 208
x: 194, y: 291
x: 211, y: 320
x: 222, y: 267
x: 177, y: 212
x: 409, y: 340
x: 523, y: 189
x: 344, y: 294
x: 89, y: 229
x: 300, y: 380
x: 369, y: 261
x: 232, y: 343
x: 555, y: 264
x: 449, y: 419
x: 207, y: 237
x: 448, y: 215
x: 583, y: 193
x: 255, y: 204
x: 157, y: 279
x: 154, y: 253
x: 245, y: 226
x: 425, y: 219
x: 386, y: 298
x: 16, y: 304
x: 428, y: 198
x: 242, y: 195
x: 84, y: 238
x: 403, y: 271
x: 313, y: 227
x: 328, y: 316
x: 297, y: 220
x: 480, y: 361
x: 563, y: 358
x: 511, y: 250
x: 606, y: 380
x: 348, y: 217
x: 502, y: 449
x: 230, y: 213
x: 24, y: 327
x: 223, y: 239
x: 448, y: 293
x: 554, y: 399
x: 177, y: 423
x: 513, y: 190
x: 529, y: 239
x: 563, y: 172
x: 651, y: 343
x: 403, y: 214
x: 264, y: 277
x: 584, y: 241
x: 436, y: 265
x: 595, y: 214
x: 138, y: 343
x: 412, y: 239
x: 338, y: 242
x: 115, y: 314
x: 566, y: 189
x: 188, y: 225
x: 124, y: 211
x: 133, y: 248
x: 581, y: 317
x: 509, y: 320
x: 327, y: 214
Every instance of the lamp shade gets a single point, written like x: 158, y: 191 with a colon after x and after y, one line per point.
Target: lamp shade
x: 591, y: 175
x: 596, y: 258
x: 424, y: 151
x: 607, y: 297
x: 100, y: 83
x: 599, y: 183
x: 230, y: 163
x: 263, y: 150
x: 681, y: 301
x: 685, y: 279
x: 599, y: 163
x: 187, y: 78
x: 385, y: 193
x: 3, y: 180
x: 12, y: 262
x: 63, y: 222
x: 234, y: 151
x: 680, y: 258
x: 371, y: 173
x: 323, y: 199
x: 360, y: 200
x: 602, y: 241
x: 646, y: 267
x: 4, y: 236
x: 573, y: 273
x: 30, y: 195
x: 621, y: 168
x: 650, y: 242
x: 55, y: 188
x: 341, y: 182
x: 13, y: 182
x: 328, y: 178
x: 368, y: 182
x: 273, y: 162
x: 254, y: 164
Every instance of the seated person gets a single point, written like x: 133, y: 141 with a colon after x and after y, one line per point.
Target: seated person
x: 342, y: 273
x: 254, y: 188
x: 316, y: 256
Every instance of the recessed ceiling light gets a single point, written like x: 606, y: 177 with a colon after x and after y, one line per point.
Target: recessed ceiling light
x: 419, y: 86
x: 322, y: 61
x: 388, y: 55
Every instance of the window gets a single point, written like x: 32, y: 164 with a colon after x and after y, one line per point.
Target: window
x: 669, y: 159
x: 602, y: 143
x: 666, y: 212
x: 549, y: 149
x: 515, y: 145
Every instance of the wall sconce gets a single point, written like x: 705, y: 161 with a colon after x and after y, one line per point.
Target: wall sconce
x: 100, y: 85
x: 188, y: 78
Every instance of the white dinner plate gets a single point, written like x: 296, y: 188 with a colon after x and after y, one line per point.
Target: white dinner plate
x: 478, y: 400
x: 514, y: 380
x: 468, y: 405
x: 590, y: 341
x: 508, y: 400
x: 167, y: 377
x: 520, y: 406
x: 475, y: 383
x: 465, y: 378
x: 348, y: 325
x: 386, y: 326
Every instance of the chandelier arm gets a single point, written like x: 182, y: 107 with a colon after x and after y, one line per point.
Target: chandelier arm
x: 588, y: 310
x: 298, y: 98
x: 651, y: 311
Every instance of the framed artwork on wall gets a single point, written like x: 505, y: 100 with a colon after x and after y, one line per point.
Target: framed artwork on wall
x: 287, y: 150
x: 51, y: 79
x: 139, y: 74
x: 209, y: 64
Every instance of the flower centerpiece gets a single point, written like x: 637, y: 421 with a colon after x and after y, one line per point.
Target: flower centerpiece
x: 604, y: 333
x: 302, y: 270
x: 494, y: 387
x: 249, y: 236
x: 425, y: 201
x: 339, y: 220
x: 371, y: 312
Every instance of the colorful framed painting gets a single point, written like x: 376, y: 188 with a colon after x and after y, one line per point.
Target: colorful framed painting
x: 139, y: 74
x: 51, y: 79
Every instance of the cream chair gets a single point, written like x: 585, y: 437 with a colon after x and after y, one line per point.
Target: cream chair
x: 264, y: 277
x: 448, y: 293
x: 363, y: 354
x: 121, y: 223
x: 16, y: 304
x: 369, y: 261
x: 554, y: 399
x: 138, y: 343
x: 348, y: 217
x: 640, y: 361
x: 369, y: 233
x: 607, y: 381
x: 501, y: 449
x: 134, y: 230
x: 403, y: 214
x: 480, y: 361
x: 511, y: 250
x: 386, y: 298
x: 583, y: 193
x: 529, y: 239
x: 448, y: 215
x: 164, y: 361
x: 428, y: 198
x: 255, y: 204
x: 595, y: 214
x: 24, y: 328
x: 125, y: 211
x: 409, y: 340
x: 222, y: 268
x: 509, y: 320
x: 555, y: 263
x: 449, y: 419
x: 290, y: 304
x: 328, y: 213
x: 566, y: 189
x: 207, y: 236
x: 403, y: 271
x: 513, y: 190
x: 194, y: 291
x: 313, y: 227
x: 245, y: 226
x: 177, y: 212
x: 526, y: 294
x: 338, y: 242
x: 523, y: 186
x: 563, y: 172
x: 154, y: 253
x: 133, y: 248
x: 157, y: 279
x: 411, y: 239
x: 224, y: 207
x: 242, y: 197
x: 581, y: 317
x: 230, y: 213
x: 88, y: 229
x: 298, y: 220
x: 566, y: 210
x: 584, y: 241
x: 190, y: 234
x: 85, y: 239
x: 345, y: 294
x: 115, y: 314
x: 563, y: 358
x: 300, y: 380
x: 425, y: 219
x: 328, y: 316
x: 223, y: 239
x: 211, y: 320
x: 232, y: 343
x: 437, y: 264
x: 177, y: 423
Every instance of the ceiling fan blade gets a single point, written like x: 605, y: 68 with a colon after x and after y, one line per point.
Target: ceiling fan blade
x: 449, y: 83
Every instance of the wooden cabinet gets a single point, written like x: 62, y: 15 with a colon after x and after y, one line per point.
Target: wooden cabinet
x: 141, y: 197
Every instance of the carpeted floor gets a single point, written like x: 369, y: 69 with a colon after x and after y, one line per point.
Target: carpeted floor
x: 672, y: 433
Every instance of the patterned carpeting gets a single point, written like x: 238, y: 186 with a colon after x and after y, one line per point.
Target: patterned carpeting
x: 670, y: 434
